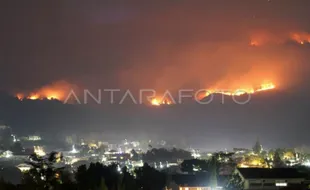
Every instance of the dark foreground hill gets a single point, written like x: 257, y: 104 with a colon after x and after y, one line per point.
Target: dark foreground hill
x: 278, y: 118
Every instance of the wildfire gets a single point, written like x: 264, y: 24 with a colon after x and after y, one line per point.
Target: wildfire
x: 60, y: 91
x: 267, y: 86
x: 20, y: 96
x: 238, y: 92
x: 50, y: 95
x: 160, y: 101
x: 33, y: 97
x: 301, y: 38
x: 155, y: 102
x: 263, y: 38
x: 56, y: 90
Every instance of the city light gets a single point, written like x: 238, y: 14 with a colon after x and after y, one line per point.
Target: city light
x: 74, y: 151
x: 38, y: 150
x: 281, y: 184
x: 8, y: 154
x: 307, y: 163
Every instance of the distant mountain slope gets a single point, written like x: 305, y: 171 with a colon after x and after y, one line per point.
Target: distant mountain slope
x: 276, y: 117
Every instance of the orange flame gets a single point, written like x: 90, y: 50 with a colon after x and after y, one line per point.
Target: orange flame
x: 33, y: 96
x: 301, y: 37
x: 155, y: 102
x: 57, y: 90
x: 263, y: 37
x: 160, y: 101
x: 20, y: 96
x: 238, y: 92
x: 266, y: 86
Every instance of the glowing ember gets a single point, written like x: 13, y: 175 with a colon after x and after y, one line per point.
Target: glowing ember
x: 51, y: 97
x: 267, y: 86
x: 160, y: 101
x: 20, y: 96
x: 33, y: 97
x: 155, y: 102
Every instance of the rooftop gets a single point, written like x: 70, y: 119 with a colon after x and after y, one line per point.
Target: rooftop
x: 265, y: 173
x: 191, y: 180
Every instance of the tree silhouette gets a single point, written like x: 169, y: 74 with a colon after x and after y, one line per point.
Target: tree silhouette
x: 235, y: 182
x: 149, y: 178
x: 43, y: 173
x: 128, y: 182
x: 257, y: 149
x: 102, y: 185
x: 6, y: 185
x: 277, y: 161
x: 98, y: 176
x: 135, y: 155
x: 213, y: 172
x: 16, y: 147
x: 189, y: 165
x: 164, y: 155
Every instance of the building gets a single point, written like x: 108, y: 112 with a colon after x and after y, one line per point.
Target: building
x: 24, y: 167
x: 189, y: 182
x: 277, y: 178
x: 34, y: 138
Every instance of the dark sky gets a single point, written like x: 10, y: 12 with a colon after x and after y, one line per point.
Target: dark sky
x: 154, y: 44
x: 102, y: 44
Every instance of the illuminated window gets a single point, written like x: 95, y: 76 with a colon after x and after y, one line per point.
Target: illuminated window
x: 186, y: 188
x: 283, y: 184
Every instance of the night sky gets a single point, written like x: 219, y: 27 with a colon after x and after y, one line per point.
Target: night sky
x: 164, y: 45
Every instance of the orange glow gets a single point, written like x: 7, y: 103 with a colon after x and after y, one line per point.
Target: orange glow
x: 237, y: 92
x: 51, y: 97
x: 263, y: 38
x: 33, y: 97
x: 155, y: 102
x: 242, y: 91
x: 266, y: 86
x: 57, y: 90
x: 254, y: 43
x: 20, y: 96
x: 40, y: 95
x: 160, y: 101
x: 301, y: 37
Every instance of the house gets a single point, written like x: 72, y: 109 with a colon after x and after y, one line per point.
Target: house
x: 264, y: 178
